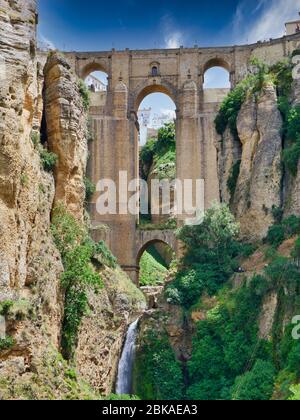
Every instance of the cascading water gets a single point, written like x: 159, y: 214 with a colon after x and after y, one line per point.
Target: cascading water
x: 124, y: 380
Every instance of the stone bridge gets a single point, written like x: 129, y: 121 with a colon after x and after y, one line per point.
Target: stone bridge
x: 145, y: 238
x: 179, y: 73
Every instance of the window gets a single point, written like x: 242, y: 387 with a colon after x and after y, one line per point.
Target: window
x: 154, y: 71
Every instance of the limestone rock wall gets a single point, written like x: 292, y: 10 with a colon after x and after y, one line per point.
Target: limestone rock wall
x: 258, y: 186
x: 291, y: 183
x: 30, y: 265
x: 229, y: 152
x: 67, y: 133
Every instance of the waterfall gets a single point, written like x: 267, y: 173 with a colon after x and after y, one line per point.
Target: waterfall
x: 124, y: 380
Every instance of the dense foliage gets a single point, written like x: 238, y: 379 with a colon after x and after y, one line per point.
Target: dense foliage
x: 282, y: 230
x: 161, y: 153
x: 78, y: 252
x: 229, y: 359
x: 211, y: 257
x: 162, y: 377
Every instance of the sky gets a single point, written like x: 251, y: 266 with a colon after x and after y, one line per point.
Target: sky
x: 100, y: 25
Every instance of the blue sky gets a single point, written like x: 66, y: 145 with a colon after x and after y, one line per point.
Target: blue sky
x: 91, y: 25
x: 104, y: 24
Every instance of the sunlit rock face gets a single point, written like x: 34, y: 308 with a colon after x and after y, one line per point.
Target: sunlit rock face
x: 67, y: 133
x: 30, y: 265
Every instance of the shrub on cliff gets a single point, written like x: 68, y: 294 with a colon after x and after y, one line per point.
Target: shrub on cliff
x: 283, y: 230
x: 85, y: 94
x: 90, y: 189
x: 77, y: 251
x: 291, y: 154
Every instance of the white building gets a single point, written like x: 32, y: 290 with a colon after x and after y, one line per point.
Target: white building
x: 293, y: 27
x: 149, y: 121
x: 94, y: 84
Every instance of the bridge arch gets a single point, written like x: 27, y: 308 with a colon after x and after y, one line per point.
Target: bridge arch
x: 92, y: 66
x: 217, y: 62
x: 148, y: 238
x: 145, y: 89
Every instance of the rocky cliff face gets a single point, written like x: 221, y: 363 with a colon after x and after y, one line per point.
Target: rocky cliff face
x: 258, y: 183
x: 31, y: 296
x: 67, y: 129
x: 30, y: 265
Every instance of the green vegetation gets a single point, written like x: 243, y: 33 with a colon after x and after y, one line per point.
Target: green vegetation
x: 230, y: 108
x: 152, y: 270
x: 78, y: 252
x: 211, y: 258
x: 230, y: 360
x: 291, y: 132
x: 85, y: 94
x: 90, y: 189
x: 257, y: 384
x: 146, y: 224
x: 225, y: 345
x: 17, y: 310
x: 295, y: 390
x: 103, y: 256
x: 6, y: 343
x: 161, y: 153
x: 162, y: 377
x: 280, y: 75
x: 283, y: 230
x: 35, y: 138
x: 48, y: 159
x: 53, y: 379
x: 234, y: 175
x: 5, y: 307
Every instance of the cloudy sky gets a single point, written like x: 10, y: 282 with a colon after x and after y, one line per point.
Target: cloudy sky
x: 102, y: 24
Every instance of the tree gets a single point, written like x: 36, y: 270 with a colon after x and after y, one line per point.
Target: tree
x: 256, y: 385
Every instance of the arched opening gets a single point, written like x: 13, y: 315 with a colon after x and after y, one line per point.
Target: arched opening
x: 154, y: 262
x: 157, y: 158
x: 97, y: 83
x: 217, y: 81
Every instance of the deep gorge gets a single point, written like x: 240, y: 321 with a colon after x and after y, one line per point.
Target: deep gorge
x: 215, y: 323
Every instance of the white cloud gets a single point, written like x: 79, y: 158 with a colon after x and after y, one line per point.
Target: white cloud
x: 174, y: 40
x: 173, y: 37
x: 273, y: 14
